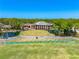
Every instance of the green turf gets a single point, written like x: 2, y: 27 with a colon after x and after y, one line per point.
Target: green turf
x: 36, y: 33
x: 41, y: 50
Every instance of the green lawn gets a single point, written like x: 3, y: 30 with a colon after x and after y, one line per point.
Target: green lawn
x: 36, y: 33
x: 41, y: 50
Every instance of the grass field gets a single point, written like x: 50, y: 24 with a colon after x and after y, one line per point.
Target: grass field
x: 41, y: 50
x: 36, y: 33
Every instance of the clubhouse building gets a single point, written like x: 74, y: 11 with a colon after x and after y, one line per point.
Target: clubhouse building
x: 37, y: 26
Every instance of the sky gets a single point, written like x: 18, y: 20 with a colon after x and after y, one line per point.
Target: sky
x: 39, y: 8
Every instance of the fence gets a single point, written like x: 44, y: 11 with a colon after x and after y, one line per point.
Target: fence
x: 40, y: 38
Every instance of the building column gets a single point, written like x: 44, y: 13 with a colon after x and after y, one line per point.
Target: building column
x: 45, y: 27
x: 42, y: 26
x: 37, y: 27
